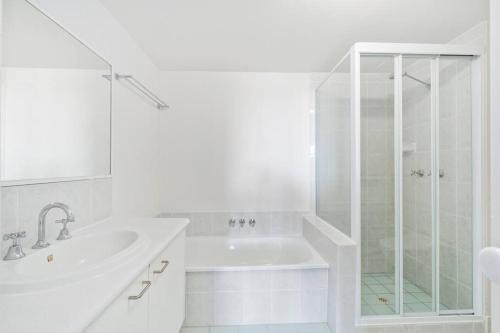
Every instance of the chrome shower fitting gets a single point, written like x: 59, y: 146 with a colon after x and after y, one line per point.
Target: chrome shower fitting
x: 419, y: 172
x: 232, y: 223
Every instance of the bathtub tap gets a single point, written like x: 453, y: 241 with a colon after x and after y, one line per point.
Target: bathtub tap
x: 251, y: 223
x: 242, y: 222
x: 232, y: 223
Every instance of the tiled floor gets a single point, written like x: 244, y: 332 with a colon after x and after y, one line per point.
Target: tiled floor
x: 284, y: 328
x: 377, y: 294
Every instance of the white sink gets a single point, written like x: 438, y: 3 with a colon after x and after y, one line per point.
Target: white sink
x: 76, y: 258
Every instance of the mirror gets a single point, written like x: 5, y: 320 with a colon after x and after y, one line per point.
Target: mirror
x: 55, y: 100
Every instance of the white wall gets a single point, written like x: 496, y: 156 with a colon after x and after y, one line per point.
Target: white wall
x: 135, y: 123
x: 235, y: 142
x: 495, y: 148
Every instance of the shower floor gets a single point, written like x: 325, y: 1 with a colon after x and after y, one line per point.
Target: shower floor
x: 377, y: 296
x: 281, y: 328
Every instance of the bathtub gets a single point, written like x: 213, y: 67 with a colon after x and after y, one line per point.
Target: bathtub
x: 261, y: 280
x: 212, y: 254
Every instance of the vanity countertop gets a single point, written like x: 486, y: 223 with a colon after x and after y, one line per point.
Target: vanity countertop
x: 73, y: 305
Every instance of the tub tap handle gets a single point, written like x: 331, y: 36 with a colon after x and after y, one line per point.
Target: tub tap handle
x: 251, y: 223
x: 232, y: 223
x: 242, y: 222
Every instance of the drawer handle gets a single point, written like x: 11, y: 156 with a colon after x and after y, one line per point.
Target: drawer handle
x: 165, y: 264
x: 146, y: 285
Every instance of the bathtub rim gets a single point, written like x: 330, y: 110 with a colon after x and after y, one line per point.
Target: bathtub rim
x: 316, y: 261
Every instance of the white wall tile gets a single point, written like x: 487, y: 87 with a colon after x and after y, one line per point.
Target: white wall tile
x: 314, y: 304
x: 228, y: 307
x: 285, y: 306
x: 285, y: 280
x: 200, y: 282
x: 257, y: 307
x: 200, y: 309
x: 90, y: 201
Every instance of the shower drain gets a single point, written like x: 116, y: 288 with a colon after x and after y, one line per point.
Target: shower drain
x: 383, y: 300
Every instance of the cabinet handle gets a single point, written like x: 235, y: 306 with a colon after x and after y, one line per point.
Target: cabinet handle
x: 146, y: 285
x: 165, y: 264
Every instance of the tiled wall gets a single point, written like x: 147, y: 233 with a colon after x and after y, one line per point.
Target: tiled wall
x: 216, y: 223
x: 90, y: 201
x: 256, y: 297
x: 340, y: 253
x: 377, y: 173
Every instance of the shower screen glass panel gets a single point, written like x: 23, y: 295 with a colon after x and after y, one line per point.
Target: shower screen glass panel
x: 417, y: 204
x: 379, y: 276
x: 333, y: 140
x: 455, y: 184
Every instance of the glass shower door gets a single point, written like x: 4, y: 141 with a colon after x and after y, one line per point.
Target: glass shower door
x: 379, y: 279
x: 455, y: 185
x: 417, y: 201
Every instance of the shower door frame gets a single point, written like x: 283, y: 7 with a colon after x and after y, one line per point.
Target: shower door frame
x: 479, y: 163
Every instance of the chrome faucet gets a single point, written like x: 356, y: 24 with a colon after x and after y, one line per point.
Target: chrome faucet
x: 15, y: 251
x: 63, y: 234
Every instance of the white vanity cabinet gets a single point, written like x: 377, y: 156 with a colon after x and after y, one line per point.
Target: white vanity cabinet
x: 160, y: 308
x: 167, y: 298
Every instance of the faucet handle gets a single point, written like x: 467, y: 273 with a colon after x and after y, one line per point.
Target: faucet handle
x: 64, y: 233
x: 15, y: 251
x: 65, y: 221
x: 242, y: 222
x: 232, y: 222
x: 14, y: 236
x: 251, y: 223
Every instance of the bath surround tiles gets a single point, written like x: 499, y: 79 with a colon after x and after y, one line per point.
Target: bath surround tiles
x: 216, y: 223
x: 256, y: 297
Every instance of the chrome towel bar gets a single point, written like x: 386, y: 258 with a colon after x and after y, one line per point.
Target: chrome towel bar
x: 160, y: 105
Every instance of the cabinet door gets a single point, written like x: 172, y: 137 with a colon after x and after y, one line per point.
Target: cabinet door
x: 167, y: 298
x: 126, y: 315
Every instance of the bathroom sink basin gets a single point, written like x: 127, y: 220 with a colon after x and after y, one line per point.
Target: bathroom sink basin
x: 79, y: 257
x: 76, y: 254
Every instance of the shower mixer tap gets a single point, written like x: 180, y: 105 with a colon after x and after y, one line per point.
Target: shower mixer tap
x: 420, y: 173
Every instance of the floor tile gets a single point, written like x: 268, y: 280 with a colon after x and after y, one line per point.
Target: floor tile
x: 312, y: 328
x: 382, y: 309
x: 422, y: 297
x: 195, y: 330
x: 253, y: 329
x: 376, y: 297
x: 418, y: 307
x: 378, y: 288
x: 224, y: 329
x: 285, y: 328
x: 280, y: 328
x: 384, y: 280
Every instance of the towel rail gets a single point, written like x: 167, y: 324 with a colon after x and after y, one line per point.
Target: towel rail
x: 160, y: 104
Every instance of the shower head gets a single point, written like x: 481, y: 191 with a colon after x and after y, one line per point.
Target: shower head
x: 427, y: 84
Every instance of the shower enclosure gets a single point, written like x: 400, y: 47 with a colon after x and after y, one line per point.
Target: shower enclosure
x: 399, y: 159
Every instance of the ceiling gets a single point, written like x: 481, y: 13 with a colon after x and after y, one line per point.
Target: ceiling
x: 283, y: 35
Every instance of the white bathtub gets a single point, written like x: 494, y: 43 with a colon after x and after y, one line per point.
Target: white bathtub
x: 261, y: 280
x: 211, y: 253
